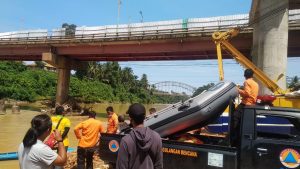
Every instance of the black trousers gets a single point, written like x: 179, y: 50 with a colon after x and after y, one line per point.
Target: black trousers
x: 85, y: 157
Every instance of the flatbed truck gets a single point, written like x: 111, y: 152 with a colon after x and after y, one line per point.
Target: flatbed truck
x: 259, y: 147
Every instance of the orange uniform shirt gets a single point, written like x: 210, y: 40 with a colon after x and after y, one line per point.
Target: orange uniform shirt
x: 112, y: 124
x: 88, y: 132
x: 250, y: 92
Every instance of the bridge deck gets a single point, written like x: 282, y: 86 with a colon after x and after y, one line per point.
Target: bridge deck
x: 167, y: 40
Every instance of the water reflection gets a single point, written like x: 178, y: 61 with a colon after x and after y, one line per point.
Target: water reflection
x: 14, y: 127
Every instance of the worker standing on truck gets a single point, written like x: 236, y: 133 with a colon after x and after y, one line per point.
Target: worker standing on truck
x: 249, y: 95
x: 142, y: 147
x: 112, y: 121
x: 250, y: 91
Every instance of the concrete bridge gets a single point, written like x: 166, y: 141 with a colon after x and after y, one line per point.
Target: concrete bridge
x: 186, y: 39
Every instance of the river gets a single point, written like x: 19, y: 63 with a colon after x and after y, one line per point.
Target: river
x: 14, y: 127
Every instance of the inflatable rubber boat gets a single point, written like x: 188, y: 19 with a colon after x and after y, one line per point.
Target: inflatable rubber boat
x: 193, y: 113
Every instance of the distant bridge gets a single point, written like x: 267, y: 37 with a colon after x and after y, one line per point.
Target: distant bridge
x: 173, y: 88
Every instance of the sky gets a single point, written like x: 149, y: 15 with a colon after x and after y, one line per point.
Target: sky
x: 49, y: 14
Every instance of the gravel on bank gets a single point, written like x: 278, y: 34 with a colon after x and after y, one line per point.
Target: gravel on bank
x: 97, y: 162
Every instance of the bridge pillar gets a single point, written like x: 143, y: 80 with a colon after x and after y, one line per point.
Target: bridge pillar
x: 270, y: 39
x: 63, y: 82
x: 63, y: 66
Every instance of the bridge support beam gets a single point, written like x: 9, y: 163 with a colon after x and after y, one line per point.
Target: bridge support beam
x: 64, y: 71
x: 63, y: 82
x: 270, y: 39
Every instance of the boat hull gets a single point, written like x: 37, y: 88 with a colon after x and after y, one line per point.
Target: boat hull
x: 193, y: 113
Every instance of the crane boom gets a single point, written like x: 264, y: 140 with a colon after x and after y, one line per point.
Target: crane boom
x: 221, y: 40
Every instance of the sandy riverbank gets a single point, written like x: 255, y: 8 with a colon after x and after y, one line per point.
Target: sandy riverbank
x: 14, y: 127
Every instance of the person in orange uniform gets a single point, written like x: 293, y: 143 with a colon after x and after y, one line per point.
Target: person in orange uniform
x: 88, y: 133
x: 249, y: 95
x: 112, y: 121
x: 250, y: 91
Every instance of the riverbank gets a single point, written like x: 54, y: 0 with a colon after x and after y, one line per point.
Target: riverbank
x: 14, y: 127
x: 97, y: 162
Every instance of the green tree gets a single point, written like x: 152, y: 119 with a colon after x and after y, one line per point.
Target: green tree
x: 294, y: 85
x: 144, y: 82
x: 70, y: 29
x: 12, y: 66
x: 202, y: 88
x: 94, y: 71
x: 40, y: 64
x: 112, y: 72
x: 127, y: 77
x: 101, y: 82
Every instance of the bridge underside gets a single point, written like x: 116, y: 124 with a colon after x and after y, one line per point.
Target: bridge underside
x: 294, y: 4
x: 137, y: 50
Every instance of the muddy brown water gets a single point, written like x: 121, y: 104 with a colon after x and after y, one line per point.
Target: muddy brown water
x: 14, y: 126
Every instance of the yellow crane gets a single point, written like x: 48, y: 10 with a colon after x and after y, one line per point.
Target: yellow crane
x: 221, y: 40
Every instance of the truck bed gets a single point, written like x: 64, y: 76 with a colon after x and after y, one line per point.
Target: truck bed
x: 179, y: 155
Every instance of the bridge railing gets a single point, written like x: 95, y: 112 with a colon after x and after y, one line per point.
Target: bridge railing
x: 113, y: 32
x: 163, y: 27
x: 147, y: 30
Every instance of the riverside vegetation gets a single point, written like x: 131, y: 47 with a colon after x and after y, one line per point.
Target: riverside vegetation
x: 106, y: 82
x: 100, y: 82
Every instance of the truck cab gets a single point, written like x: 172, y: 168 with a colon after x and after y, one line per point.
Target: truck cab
x: 261, y: 146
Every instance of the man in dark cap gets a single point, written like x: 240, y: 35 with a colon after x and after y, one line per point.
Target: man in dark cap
x: 142, y: 147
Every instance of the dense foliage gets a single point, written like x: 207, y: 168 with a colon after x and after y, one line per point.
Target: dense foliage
x: 294, y: 85
x: 202, y: 88
x: 100, y: 82
x: 70, y: 29
x: 106, y: 82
